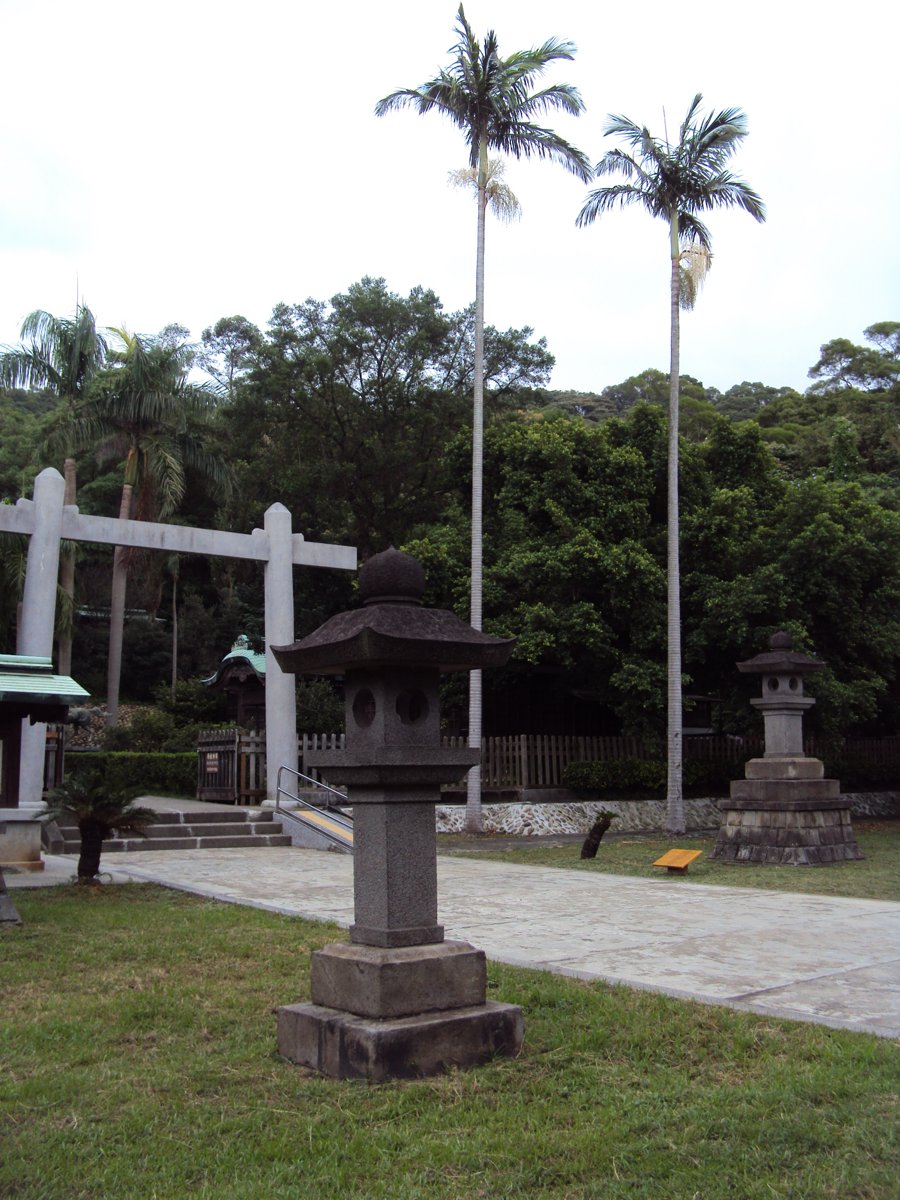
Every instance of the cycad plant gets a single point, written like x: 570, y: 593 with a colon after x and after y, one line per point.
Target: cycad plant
x: 676, y: 183
x: 494, y: 102
x: 99, y: 812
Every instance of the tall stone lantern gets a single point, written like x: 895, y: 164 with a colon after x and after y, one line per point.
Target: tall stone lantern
x: 784, y: 811
x: 397, y: 1000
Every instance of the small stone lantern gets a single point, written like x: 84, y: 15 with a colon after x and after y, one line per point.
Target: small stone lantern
x: 784, y: 811
x: 782, y: 703
x: 397, y: 1000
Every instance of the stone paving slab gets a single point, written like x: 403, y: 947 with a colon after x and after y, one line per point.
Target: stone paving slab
x: 811, y: 958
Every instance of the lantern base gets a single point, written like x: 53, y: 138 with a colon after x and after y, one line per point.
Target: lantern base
x: 345, y: 1046
x: 800, y: 833
x: 397, y: 982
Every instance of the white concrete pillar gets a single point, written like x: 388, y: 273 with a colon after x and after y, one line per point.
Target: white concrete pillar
x: 38, y: 615
x: 281, y: 698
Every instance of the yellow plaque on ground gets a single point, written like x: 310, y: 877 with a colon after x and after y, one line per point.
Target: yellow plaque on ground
x: 678, y: 861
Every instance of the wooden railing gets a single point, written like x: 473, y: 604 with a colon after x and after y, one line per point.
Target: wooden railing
x: 232, y: 766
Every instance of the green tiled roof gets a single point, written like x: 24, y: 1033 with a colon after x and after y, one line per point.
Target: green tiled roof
x: 26, y: 677
x: 240, y: 649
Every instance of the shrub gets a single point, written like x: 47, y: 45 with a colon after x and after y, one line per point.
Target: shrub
x: 138, y: 773
x: 147, y: 730
x: 193, y: 703
x: 639, y: 778
x: 860, y: 774
x: 153, y: 731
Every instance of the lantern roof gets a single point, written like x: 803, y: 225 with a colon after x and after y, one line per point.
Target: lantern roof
x: 27, y: 682
x: 393, y: 628
x: 240, y: 655
x: 780, y: 659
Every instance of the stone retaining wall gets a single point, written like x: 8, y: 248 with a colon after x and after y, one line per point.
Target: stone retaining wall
x: 644, y: 816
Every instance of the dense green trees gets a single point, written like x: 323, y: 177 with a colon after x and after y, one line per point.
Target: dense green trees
x: 349, y: 406
x: 576, y: 569
x: 354, y: 413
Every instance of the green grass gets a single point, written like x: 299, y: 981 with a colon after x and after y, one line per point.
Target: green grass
x: 876, y: 877
x: 137, y: 1061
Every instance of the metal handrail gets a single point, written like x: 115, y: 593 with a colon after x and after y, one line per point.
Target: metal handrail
x: 315, y: 782
x: 334, y: 815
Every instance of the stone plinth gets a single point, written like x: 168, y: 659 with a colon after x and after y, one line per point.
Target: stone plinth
x: 799, y: 833
x: 20, y: 838
x: 397, y: 1013
x: 345, y: 1046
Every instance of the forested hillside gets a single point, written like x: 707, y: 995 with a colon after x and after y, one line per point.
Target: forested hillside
x: 355, y: 414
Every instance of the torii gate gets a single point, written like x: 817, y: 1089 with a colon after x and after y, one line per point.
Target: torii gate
x: 47, y: 520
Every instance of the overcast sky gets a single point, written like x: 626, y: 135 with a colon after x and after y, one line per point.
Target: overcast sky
x: 184, y: 160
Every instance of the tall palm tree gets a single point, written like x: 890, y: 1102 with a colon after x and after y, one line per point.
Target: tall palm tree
x: 144, y: 411
x: 493, y: 101
x: 675, y: 183
x: 63, y: 355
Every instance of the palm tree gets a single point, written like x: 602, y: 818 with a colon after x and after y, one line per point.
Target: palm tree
x: 676, y: 183
x: 493, y: 101
x: 62, y: 355
x: 99, y: 813
x: 144, y: 411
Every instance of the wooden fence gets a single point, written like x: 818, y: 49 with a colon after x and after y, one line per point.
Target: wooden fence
x: 232, y: 765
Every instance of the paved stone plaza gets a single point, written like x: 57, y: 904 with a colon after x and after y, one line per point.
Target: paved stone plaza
x: 808, y: 958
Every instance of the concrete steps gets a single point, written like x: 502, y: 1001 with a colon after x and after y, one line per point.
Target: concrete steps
x: 230, y: 829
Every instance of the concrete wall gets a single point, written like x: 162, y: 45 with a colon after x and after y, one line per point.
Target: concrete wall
x: 563, y: 813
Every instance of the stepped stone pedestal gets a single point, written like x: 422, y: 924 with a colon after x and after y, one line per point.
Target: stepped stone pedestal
x: 784, y: 812
x: 396, y: 1000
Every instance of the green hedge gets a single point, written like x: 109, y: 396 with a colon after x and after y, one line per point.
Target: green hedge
x: 143, y: 774
x: 639, y: 778
x: 861, y: 775
x: 636, y: 778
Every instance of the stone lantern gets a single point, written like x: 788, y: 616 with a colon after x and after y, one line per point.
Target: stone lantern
x: 784, y: 811
x: 397, y: 1000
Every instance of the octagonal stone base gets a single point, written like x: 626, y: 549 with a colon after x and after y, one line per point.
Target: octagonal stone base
x: 346, y: 1046
x: 800, y: 833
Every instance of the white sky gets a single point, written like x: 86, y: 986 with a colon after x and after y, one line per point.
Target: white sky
x: 185, y: 160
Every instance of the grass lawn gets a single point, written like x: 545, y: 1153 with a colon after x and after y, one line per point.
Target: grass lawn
x: 137, y: 1061
x: 876, y: 877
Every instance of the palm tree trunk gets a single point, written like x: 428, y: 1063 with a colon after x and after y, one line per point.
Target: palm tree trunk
x: 174, y: 629
x: 474, y: 822
x: 67, y: 572
x: 675, y: 823
x: 117, y: 618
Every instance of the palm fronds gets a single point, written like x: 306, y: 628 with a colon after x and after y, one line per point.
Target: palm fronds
x: 493, y: 101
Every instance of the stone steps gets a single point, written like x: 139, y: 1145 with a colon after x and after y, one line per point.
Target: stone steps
x: 230, y: 829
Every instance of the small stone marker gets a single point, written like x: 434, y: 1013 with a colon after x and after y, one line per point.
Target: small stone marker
x: 677, y: 861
